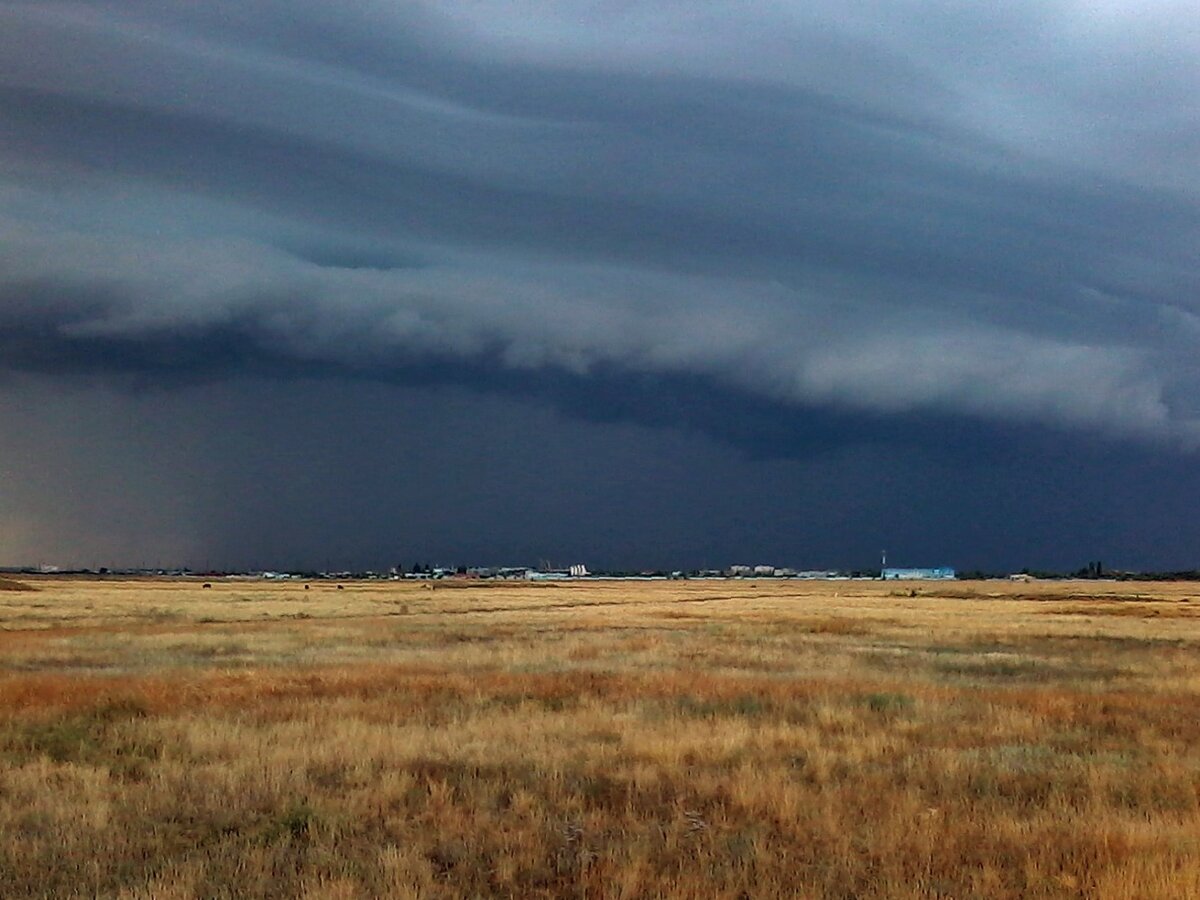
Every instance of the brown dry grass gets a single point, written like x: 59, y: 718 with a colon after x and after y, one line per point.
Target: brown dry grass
x: 606, y: 739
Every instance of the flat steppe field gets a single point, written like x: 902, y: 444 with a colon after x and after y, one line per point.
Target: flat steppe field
x: 160, y: 739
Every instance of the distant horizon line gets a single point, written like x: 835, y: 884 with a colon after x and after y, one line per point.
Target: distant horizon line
x: 1091, y: 571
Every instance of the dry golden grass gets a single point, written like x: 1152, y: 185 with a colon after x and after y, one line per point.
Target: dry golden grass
x: 603, y: 739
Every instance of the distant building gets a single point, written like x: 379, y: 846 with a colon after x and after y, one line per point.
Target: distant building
x: 531, y: 575
x: 944, y: 573
x: 764, y: 570
x: 738, y: 571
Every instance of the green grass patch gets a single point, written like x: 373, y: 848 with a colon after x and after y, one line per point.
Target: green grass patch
x: 889, y: 704
x: 98, y: 736
x: 745, y: 706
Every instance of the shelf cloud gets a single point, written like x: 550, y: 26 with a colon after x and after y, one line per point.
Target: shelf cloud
x: 942, y: 213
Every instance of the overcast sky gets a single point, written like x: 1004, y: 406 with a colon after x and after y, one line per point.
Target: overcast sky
x: 633, y: 284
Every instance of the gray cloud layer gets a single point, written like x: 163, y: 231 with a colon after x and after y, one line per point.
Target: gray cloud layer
x: 895, y: 208
x: 314, y: 472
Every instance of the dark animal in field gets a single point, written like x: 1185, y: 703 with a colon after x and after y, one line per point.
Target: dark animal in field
x: 206, y: 585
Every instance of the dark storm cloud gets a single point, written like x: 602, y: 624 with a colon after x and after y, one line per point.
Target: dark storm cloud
x: 943, y: 232
x: 302, y: 473
x: 876, y: 211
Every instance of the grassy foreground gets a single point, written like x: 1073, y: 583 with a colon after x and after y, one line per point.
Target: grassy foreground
x: 692, y: 739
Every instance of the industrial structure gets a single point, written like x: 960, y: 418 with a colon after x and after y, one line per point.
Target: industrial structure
x: 943, y: 573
